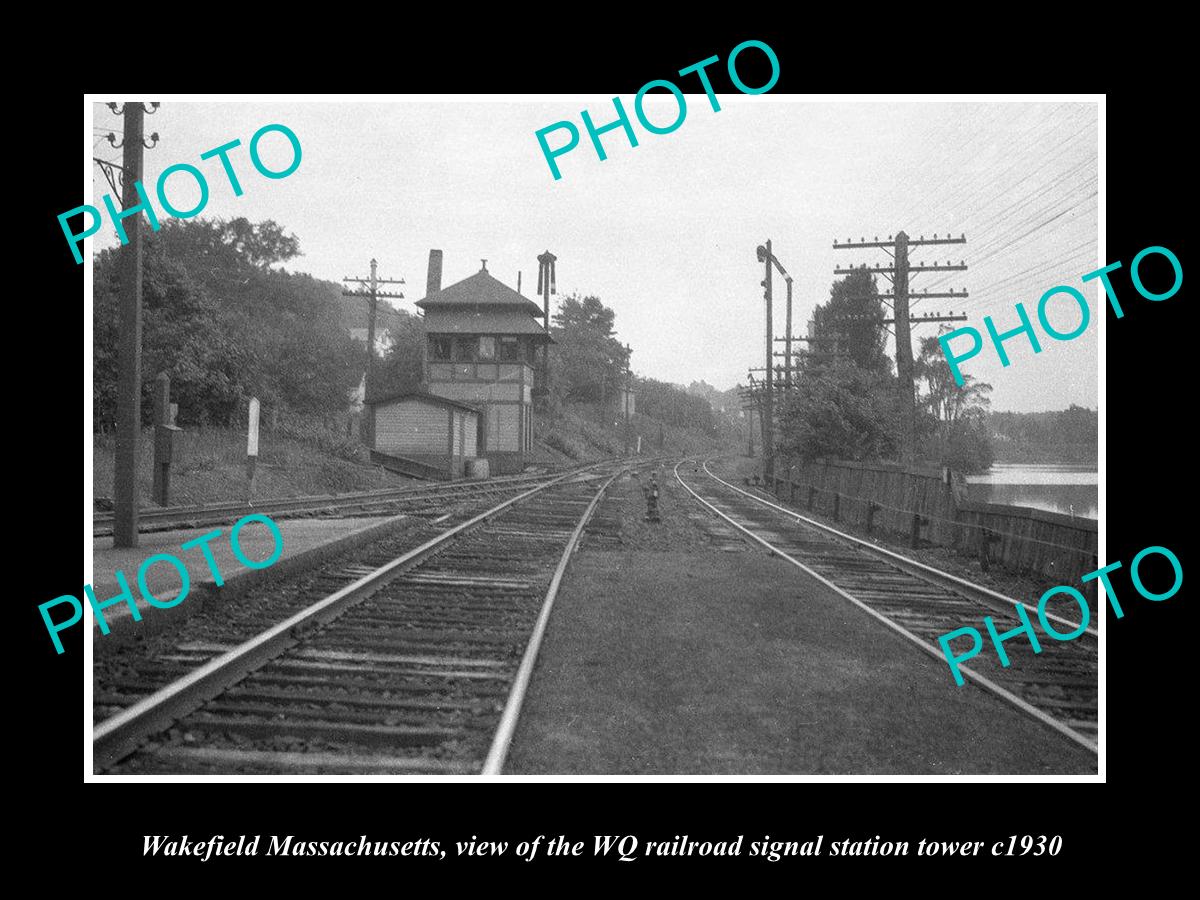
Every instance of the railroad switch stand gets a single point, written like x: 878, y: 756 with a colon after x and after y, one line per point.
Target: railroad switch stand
x: 986, y: 540
x: 651, y: 491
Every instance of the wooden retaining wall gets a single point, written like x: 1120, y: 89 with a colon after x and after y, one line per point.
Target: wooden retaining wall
x: 929, y: 506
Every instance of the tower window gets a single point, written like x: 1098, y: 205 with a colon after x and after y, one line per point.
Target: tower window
x: 510, y: 349
x: 465, y: 348
x: 439, y: 348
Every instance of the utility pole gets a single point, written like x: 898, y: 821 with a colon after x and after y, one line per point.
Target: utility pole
x: 625, y: 397
x: 768, y: 411
x: 751, y: 398
x: 898, y: 274
x: 129, y: 357
x: 373, y: 294
x: 787, y: 361
x: 791, y: 373
x: 546, y: 287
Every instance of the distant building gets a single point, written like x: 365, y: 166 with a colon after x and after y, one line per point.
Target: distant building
x: 481, y: 341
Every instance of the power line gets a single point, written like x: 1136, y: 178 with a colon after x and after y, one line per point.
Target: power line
x: 898, y: 273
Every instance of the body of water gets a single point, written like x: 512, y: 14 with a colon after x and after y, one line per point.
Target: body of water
x: 1061, y: 488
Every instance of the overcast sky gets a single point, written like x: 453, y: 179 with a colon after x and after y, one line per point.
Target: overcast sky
x: 665, y: 233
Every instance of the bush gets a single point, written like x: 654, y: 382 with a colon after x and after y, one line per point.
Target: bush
x: 319, y: 434
x: 339, y: 476
x: 839, y: 412
x: 563, y: 444
x: 968, y: 447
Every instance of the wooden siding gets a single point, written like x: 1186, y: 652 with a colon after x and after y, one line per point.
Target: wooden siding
x: 508, y: 425
x: 410, y: 426
x: 473, y: 392
x: 480, y: 371
x: 428, y: 431
x: 470, y: 437
x: 1021, y: 538
x: 491, y: 430
x: 503, y: 391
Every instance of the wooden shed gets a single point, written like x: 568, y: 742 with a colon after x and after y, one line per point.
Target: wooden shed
x: 434, y: 432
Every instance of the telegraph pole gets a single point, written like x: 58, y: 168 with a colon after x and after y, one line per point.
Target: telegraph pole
x: 373, y: 294
x: 546, y: 287
x: 787, y: 362
x: 904, y: 357
x: 898, y: 274
x: 129, y: 358
x: 837, y: 353
x: 625, y: 398
x: 751, y: 400
x: 768, y: 420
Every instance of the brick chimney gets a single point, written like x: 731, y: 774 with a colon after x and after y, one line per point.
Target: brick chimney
x: 433, y: 281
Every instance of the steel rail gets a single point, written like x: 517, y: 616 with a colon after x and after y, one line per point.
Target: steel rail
x: 323, y: 501
x: 121, y: 734
x: 928, y: 648
x: 918, y: 569
x: 494, y: 763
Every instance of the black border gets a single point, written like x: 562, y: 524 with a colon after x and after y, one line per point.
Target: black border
x: 1148, y: 398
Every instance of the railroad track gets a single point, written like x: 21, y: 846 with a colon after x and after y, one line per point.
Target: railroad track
x: 1059, y: 686
x: 417, y: 666
x: 414, y: 500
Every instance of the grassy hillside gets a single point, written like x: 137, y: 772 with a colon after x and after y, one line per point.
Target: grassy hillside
x: 210, y: 463
x: 578, y: 436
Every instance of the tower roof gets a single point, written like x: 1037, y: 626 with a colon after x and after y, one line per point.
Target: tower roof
x: 479, y: 290
x: 488, y: 320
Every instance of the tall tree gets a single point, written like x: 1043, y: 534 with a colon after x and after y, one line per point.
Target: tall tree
x: 226, y: 323
x: 954, y: 430
x: 183, y: 334
x: 305, y: 360
x: 1070, y: 435
x: 674, y: 405
x: 400, y: 368
x: 587, y: 359
x: 855, y: 310
x: 942, y: 396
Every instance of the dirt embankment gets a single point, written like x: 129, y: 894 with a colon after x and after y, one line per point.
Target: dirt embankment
x: 209, y: 464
